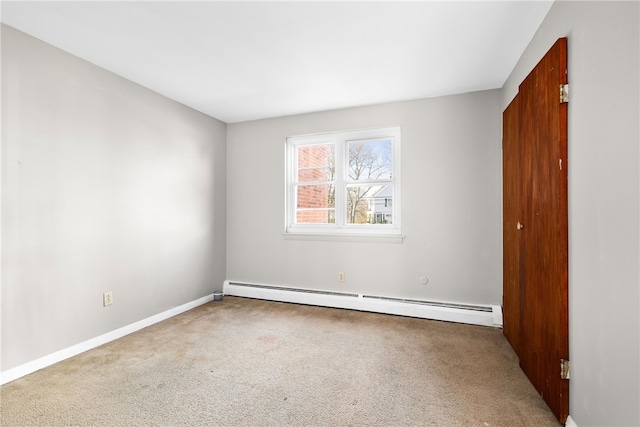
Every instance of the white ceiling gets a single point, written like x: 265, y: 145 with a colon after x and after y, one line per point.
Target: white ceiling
x: 239, y: 61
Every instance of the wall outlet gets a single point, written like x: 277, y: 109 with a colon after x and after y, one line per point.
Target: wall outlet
x: 107, y: 298
x: 341, y: 277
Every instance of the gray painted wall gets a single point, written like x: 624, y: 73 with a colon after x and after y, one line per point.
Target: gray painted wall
x: 604, y: 134
x: 451, y: 196
x: 105, y: 186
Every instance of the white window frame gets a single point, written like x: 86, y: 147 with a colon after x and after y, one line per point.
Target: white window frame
x: 341, y: 228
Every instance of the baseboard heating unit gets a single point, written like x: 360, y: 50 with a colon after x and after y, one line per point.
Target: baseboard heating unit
x: 435, y: 310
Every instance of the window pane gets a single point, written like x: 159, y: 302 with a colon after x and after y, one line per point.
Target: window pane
x: 369, y: 160
x: 316, y: 204
x: 369, y: 204
x: 316, y: 216
x: 316, y: 163
x: 316, y: 196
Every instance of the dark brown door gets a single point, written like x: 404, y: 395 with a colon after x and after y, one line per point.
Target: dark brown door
x: 511, y: 182
x: 541, y: 245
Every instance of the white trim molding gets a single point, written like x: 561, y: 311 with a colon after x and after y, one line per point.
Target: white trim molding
x: 50, y: 359
x: 570, y: 422
x: 435, y: 310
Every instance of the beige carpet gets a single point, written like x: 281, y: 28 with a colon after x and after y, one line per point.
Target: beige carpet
x: 258, y: 363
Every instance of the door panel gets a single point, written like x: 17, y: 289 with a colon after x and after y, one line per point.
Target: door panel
x: 542, y: 255
x: 511, y: 217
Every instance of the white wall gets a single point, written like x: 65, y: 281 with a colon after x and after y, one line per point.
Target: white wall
x: 451, y: 174
x: 105, y: 186
x: 604, y: 194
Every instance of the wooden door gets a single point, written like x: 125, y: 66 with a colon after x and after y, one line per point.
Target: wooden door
x: 541, y: 245
x: 510, y: 219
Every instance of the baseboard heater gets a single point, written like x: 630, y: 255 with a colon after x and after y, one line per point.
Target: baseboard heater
x: 436, y: 310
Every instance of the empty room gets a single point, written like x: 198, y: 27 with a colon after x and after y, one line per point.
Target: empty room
x: 320, y: 213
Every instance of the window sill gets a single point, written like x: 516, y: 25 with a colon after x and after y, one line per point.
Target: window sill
x: 363, y: 238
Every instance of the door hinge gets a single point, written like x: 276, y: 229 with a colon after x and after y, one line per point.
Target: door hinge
x: 564, y: 93
x: 565, y: 369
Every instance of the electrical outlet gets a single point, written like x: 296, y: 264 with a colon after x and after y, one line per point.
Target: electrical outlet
x: 341, y: 277
x: 107, y: 298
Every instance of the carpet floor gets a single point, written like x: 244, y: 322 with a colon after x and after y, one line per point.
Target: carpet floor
x: 245, y: 362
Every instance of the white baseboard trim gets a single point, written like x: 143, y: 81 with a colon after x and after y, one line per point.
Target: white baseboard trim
x: 435, y: 310
x: 497, y: 315
x: 50, y: 359
x: 570, y: 422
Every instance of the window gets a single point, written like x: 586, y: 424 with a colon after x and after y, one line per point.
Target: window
x: 345, y: 183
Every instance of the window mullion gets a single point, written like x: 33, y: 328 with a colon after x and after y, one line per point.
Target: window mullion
x: 340, y: 185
